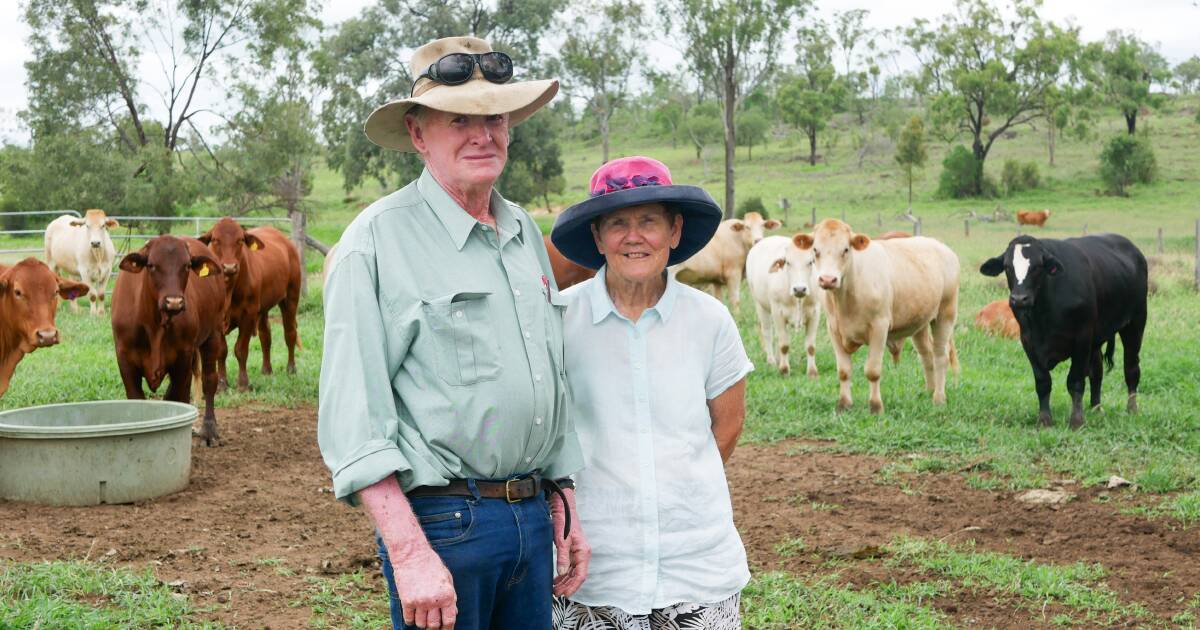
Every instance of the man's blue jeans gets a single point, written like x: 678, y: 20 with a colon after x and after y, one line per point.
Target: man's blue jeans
x: 501, y: 557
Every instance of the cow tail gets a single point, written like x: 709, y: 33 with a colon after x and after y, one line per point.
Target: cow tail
x: 954, y: 361
x: 197, y: 379
x: 1108, y: 354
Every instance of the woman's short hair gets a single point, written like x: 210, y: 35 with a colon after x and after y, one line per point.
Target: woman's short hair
x: 670, y: 211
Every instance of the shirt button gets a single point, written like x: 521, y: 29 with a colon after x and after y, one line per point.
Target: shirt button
x: 537, y: 420
x: 458, y: 313
x: 527, y: 334
x: 537, y: 377
x: 528, y: 459
x: 517, y: 292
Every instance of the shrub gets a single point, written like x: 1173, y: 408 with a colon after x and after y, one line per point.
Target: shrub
x: 1127, y: 160
x: 1018, y: 176
x: 960, y: 170
x: 753, y: 204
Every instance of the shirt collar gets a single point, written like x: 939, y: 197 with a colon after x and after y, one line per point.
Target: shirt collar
x: 456, y: 221
x: 602, y: 304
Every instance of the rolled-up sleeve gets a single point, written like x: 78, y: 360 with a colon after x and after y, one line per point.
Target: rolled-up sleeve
x: 566, y: 457
x: 729, y: 361
x: 357, y: 420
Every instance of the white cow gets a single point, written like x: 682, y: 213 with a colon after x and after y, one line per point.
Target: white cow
x: 722, y: 261
x: 877, y: 293
x: 83, y: 248
x: 786, y: 297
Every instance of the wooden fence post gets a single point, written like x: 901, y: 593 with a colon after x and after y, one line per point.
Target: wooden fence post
x: 1085, y: 229
x: 814, y: 216
x: 917, y: 228
x: 298, y: 221
x: 878, y: 219
x: 784, y: 204
x: 843, y: 215
x: 1198, y: 254
x: 1161, y: 248
x: 967, y: 228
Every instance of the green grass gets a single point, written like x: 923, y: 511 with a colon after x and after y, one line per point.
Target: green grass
x: 345, y: 601
x: 78, y: 594
x: 780, y: 601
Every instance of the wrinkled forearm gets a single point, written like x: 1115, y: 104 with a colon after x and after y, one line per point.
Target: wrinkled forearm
x: 394, y: 518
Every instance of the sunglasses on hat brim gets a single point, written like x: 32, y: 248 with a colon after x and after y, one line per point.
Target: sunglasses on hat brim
x: 457, y: 68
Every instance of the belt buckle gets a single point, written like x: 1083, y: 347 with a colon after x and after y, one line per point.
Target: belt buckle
x: 508, y: 491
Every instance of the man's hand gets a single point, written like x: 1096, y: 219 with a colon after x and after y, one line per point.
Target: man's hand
x: 573, y: 553
x: 426, y: 590
x: 424, y: 585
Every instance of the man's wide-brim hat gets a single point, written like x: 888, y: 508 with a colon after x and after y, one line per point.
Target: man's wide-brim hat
x: 634, y: 181
x: 478, y: 96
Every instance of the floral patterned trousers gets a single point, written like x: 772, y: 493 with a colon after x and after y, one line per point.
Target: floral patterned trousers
x: 723, y: 615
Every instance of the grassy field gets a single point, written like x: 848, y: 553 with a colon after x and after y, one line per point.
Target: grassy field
x: 990, y: 418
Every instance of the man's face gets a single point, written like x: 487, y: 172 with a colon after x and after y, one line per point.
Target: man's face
x: 464, y: 151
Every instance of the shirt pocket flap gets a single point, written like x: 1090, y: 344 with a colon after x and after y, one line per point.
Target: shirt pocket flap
x: 458, y: 296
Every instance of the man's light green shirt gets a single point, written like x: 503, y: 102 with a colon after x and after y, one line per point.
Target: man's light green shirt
x: 443, y: 348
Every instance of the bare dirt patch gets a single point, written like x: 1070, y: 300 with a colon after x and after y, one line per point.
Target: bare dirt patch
x: 258, y: 518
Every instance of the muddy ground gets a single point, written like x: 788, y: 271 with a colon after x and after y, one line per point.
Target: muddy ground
x: 258, y: 518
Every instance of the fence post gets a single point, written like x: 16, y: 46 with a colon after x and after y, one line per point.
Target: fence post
x: 814, y: 216
x: 967, y: 228
x: 843, y: 215
x: 299, y: 240
x: 1198, y: 254
x: 878, y: 219
x: 917, y: 228
x: 1085, y: 229
x: 1161, y: 248
x: 783, y: 203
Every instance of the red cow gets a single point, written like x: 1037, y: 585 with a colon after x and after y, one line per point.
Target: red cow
x: 27, y: 307
x: 997, y: 319
x: 566, y: 273
x: 1032, y: 217
x: 264, y: 268
x: 168, y: 319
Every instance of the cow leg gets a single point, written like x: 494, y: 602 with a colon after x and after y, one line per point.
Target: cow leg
x: 811, y: 312
x: 844, y: 364
x: 764, y: 332
x: 782, y: 338
x: 874, y: 366
x: 222, y: 375
x: 923, y: 342
x: 264, y: 340
x: 241, y: 350
x: 1042, y: 383
x: 1080, y: 368
x: 209, y: 352
x: 290, y: 329
x: 733, y: 284
x: 131, y: 377
x: 1131, y: 348
x: 942, y: 331
x: 180, y: 373
x: 1096, y: 378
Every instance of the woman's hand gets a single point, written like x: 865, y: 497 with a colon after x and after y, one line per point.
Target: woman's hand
x: 574, y: 553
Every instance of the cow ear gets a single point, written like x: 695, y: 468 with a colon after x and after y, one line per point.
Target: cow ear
x: 253, y: 242
x: 777, y: 265
x: 737, y: 226
x: 992, y: 266
x: 1051, y: 264
x: 111, y: 223
x: 205, y: 238
x: 78, y: 223
x: 772, y: 224
x: 859, y: 242
x: 802, y: 241
x: 133, y: 262
x: 203, y: 265
x: 69, y: 289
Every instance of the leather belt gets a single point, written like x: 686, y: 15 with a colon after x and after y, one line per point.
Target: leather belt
x: 511, y: 490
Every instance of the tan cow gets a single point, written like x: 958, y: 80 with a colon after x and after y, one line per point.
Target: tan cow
x: 997, y: 319
x: 880, y: 292
x: 722, y: 262
x: 1032, y: 217
x: 82, y: 248
x: 786, y: 297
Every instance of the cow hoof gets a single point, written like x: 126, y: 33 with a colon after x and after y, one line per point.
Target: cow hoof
x: 266, y: 369
x: 291, y: 369
x: 812, y: 373
x: 1076, y: 421
x: 876, y: 407
x: 939, y: 399
x: 1045, y: 419
x: 1132, y: 406
x: 785, y: 369
x: 844, y: 405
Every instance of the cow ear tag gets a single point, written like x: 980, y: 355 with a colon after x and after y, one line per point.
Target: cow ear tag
x: 253, y: 246
x: 203, y: 270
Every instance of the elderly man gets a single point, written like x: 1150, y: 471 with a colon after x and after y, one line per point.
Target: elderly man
x: 443, y: 405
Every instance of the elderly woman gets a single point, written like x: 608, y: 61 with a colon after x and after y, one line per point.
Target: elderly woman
x: 442, y: 401
x: 657, y: 373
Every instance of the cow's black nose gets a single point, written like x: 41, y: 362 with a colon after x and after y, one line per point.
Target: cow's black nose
x: 1020, y: 301
x: 95, y: 243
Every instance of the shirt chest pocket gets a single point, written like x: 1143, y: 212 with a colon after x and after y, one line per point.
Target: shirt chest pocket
x: 466, y: 349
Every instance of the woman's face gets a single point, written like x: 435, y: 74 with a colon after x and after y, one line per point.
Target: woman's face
x: 637, y: 241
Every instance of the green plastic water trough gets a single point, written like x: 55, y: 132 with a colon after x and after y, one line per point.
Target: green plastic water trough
x: 112, y: 451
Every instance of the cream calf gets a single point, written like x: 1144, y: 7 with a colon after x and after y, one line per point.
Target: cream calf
x: 721, y: 263
x: 81, y: 247
x: 880, y: 292
x: 786, y: 297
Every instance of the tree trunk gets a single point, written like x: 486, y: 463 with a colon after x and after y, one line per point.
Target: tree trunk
x: 602, y: 118
x: 1131, y: 122
x: 730, y: 138
x: 910, y: 178
x: 980, y: 153
x: 1050, y: 135
x: 812, y: 147
x: 298, y: 222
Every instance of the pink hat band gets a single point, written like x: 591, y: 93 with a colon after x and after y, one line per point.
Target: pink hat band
x: 630, y: 172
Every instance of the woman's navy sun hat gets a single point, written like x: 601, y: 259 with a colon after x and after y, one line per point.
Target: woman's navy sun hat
x: 633, y: 181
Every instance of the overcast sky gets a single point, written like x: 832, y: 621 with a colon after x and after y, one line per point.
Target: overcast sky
x: 1170, y: 24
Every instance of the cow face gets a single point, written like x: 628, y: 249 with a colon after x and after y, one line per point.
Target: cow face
x: 29, y: 303
x: 797, y: 266
x: 230, y: 242
x: 97, y: 225
x: 833, y: 246
x: 756, y: 227
x: 1026, y: 264
x: 167, y: 262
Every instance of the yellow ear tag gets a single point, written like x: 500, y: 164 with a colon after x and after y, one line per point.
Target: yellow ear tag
x: 253, y: 246
x: 203, y: 271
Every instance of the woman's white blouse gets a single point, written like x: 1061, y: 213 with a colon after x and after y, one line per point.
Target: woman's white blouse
x: 652, y: 497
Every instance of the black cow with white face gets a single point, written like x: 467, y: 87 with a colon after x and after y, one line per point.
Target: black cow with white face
x: 1070, y: 297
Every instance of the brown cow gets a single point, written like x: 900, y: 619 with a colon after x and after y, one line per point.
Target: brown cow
x: 566, y: 273
x: 27, y: 307
x: 997, y: 319
x: 264, y: 268
x: 1032, y: 217
x: 169, y: 303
